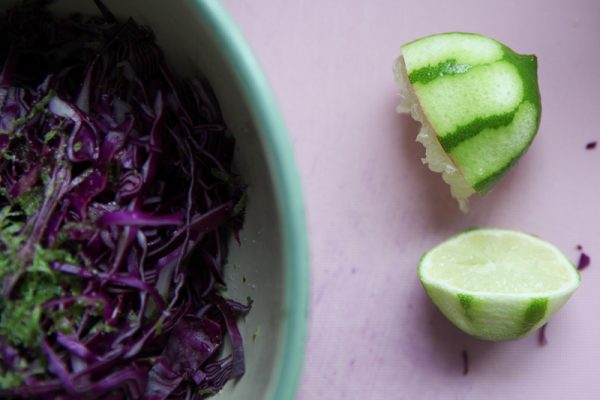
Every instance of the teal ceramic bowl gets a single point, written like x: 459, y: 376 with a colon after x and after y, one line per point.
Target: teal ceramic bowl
x: 271, y: 264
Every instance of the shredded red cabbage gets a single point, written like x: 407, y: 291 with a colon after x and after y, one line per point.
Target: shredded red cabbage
x: 584, y: 261
x: 542, y: 340
x: 591, y: 145
x: 117, y: 200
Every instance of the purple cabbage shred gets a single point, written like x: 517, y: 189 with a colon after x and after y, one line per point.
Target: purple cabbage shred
x: 542, y: 339
x: 584, y: 261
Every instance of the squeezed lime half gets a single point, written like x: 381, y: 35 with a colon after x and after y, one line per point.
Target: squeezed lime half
x: 478, y: 102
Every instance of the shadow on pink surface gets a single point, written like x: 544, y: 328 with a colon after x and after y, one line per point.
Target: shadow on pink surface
x: 439, y: 212
x: 435, y: 345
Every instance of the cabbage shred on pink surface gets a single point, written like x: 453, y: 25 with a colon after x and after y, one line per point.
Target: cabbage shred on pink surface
x: 117, y: 200
x: 584, y: 261
x: 542, y: 339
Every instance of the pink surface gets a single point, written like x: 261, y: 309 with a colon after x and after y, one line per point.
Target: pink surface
x: 373, y: 209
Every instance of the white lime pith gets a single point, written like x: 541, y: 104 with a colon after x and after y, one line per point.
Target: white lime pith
x: 497, y: 284
x: 435, y: 157
x: 478, y: 103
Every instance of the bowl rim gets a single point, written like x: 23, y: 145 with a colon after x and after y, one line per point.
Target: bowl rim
x: 287, y: 189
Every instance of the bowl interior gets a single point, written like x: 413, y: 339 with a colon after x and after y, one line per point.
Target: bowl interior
x: 266, y: 263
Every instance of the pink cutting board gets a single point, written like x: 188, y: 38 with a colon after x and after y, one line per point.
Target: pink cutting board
x: 373, y: 209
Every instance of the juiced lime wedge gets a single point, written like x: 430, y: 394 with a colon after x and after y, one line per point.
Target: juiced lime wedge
x: 478, y: 102
x: 497, y: 284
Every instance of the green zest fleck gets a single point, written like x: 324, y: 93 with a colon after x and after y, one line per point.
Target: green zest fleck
x: 20, y: 321
x: 51, y: 134
x: 34, y: 284
x: 205, y: 393
x: 31, y: 201
x: 9, y: 379
x: 240, y: 205
x: 256, y: 333
x: 430, y: 73
x: 102, y: 327
x: 159, y: 325
x: 36, y: 109
x: 220, y: 175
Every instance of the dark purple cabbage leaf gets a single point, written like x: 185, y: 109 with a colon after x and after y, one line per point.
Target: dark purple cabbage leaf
x: 117, y: 202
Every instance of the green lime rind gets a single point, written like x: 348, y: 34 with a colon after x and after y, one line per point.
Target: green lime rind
x: 534, y: 313
x: 465, y: 48
x: 473, y: 128
x: 503, y: 146
x: 428, y: 74
x: 466, y: 301
x: 449, y: 73
x: 494, y: 318
x: 455, y: 104
x: 526, y: 66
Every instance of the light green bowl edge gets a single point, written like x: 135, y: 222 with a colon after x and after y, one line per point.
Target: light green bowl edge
x: 287, y: 189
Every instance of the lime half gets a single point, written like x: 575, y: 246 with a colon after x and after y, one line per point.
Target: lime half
x: 497, y: 284
x: 478, y: 102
